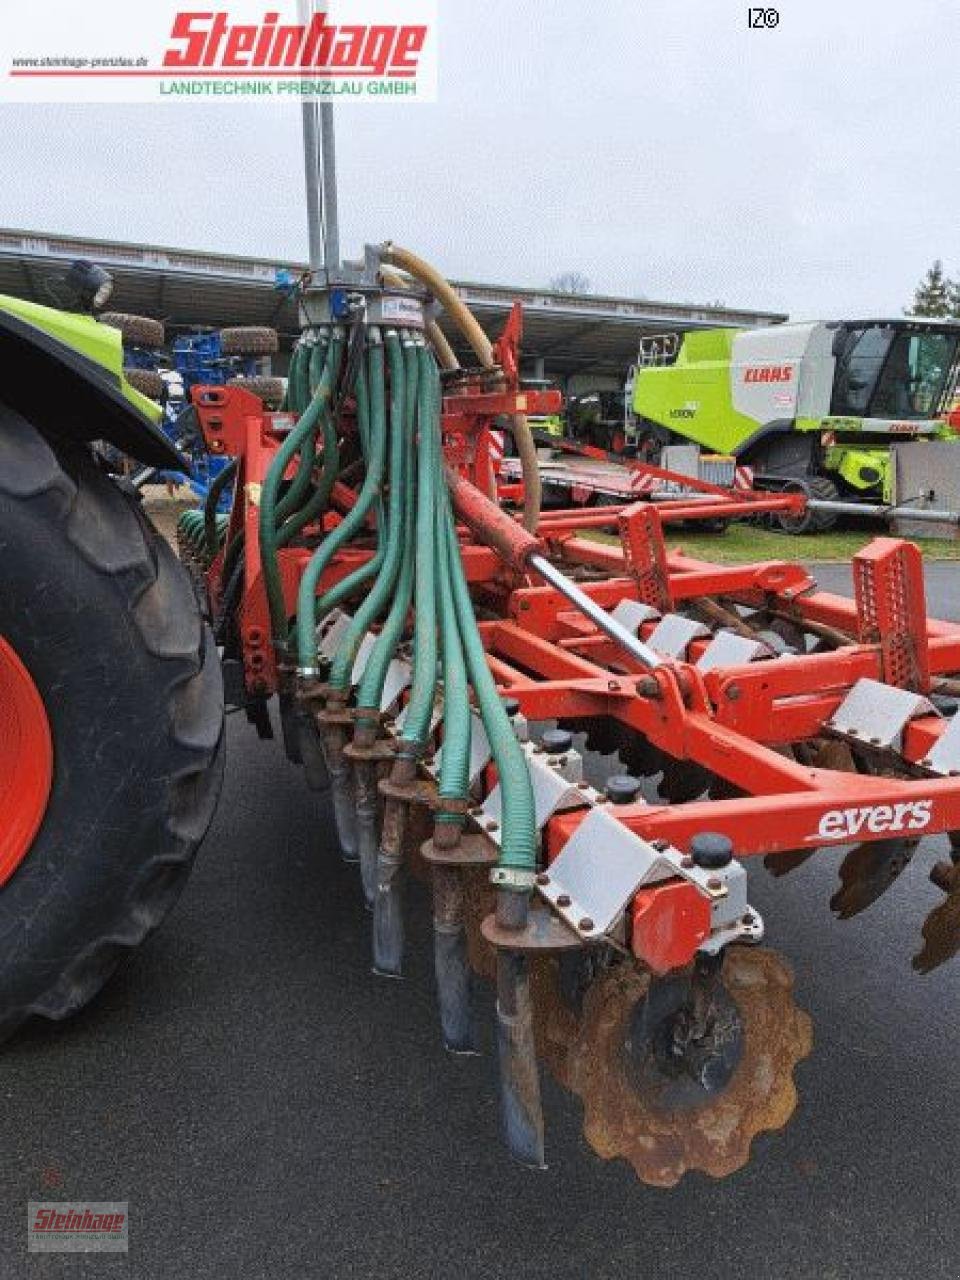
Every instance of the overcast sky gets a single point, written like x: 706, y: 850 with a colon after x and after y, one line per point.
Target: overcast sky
x: 662, y: 149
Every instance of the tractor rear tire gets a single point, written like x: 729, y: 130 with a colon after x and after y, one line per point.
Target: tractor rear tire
x: 249, y: 340
x: 104, y: 621
x: 136, y: 331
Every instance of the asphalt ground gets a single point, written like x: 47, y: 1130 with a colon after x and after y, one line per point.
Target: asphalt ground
x: 271, y: 1109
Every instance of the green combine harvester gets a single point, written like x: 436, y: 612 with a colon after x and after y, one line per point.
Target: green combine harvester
x: 811, y: 406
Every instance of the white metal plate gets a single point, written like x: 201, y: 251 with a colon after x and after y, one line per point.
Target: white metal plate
x: 727, y: 649
x: 672, y: 635
x: 878, y: 713
x: 632, y: 614
x: 945, y: 755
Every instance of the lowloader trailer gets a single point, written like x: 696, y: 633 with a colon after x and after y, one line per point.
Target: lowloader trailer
x: 410, y: 631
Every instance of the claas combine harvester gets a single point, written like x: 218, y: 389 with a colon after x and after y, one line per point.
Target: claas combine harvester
x: 412, y: 633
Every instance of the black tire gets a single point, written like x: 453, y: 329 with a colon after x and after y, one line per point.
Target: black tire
x: 270, y: 390
x: 811, y: 521
x: 136, y: 331
x: 130, y: 679
x: 251, y: 340
x: 147, y: 381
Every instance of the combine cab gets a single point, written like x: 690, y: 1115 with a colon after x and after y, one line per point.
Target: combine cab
x: 807, y: 406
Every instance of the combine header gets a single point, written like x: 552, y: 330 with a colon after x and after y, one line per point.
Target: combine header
x: 435, y: 659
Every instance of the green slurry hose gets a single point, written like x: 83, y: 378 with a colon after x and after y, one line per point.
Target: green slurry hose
x: 300, y: 484
x: 370, y: 689
x: 210, y: 520
x: 517, y: 864
x: 316, y: 411
x: 423, y: 691
x: 390, y: 548
x: 455, y: 757
x: 353, y: 521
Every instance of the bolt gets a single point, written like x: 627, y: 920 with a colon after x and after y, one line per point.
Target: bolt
x: 648, y: 687
x: 660, y: 845
x: 687, y: 861
x: 543, y: 879
x: 586, y: 924
x: 563, y: 900
x: 613, y: 686
x: 732, y: 692
x: 714, y: 883
x: 875, y: 741
x: 748, y: 918
x: 492, y: 826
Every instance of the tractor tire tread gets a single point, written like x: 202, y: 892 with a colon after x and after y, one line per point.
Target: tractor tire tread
x: 168, y: 645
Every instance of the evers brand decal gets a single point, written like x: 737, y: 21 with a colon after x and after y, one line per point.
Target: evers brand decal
x: 769, y: 373
x: 208, y: 40
x: 877, y: 819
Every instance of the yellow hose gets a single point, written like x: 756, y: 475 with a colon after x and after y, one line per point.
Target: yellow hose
x: 480, y: 344
x: 445, y: 294
x: 438, y: 339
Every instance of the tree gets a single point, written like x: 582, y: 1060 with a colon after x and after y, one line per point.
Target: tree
x: 570, y: 282
x: 935, y: 295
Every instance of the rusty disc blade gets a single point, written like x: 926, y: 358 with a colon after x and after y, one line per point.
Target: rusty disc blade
x: 867, y: 872
x: 624, y: 1118
x: 941, y: 935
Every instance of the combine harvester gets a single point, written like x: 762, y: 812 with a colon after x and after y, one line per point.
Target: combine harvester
x: 810, y: 407
x: 410, y: 631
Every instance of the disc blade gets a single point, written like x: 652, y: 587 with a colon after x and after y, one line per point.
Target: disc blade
x: 867, y: 872
x: 623, y: 1118
x: 941, y: 935
x: 683, y: 781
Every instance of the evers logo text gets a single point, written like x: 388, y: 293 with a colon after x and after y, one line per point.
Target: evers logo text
x: 211, y: 40
x: 878, y: 819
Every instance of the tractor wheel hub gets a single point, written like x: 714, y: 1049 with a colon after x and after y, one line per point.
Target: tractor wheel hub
x: 26, y: 761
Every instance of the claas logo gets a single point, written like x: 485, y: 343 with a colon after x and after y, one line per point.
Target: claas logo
x: 769, y: 373
x: 201, y: 40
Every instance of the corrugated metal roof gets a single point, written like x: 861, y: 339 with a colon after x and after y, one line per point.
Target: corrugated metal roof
x: 188, y: 288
